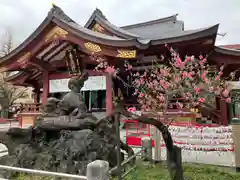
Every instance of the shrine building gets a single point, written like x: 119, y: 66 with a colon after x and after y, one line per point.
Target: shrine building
x: 60, y: 47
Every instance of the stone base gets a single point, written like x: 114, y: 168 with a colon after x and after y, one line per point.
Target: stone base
x: 157, y: 161
x: 237, y: 169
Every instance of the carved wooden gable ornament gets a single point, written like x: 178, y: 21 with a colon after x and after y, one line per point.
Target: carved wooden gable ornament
x: 55, y: 33
x: 92, y: 47
x: 128, y: 54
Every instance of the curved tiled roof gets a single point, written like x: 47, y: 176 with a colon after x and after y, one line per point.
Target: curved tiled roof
x: 58, y: 16
x: 97, y: 16
x: 227, y: 51
x: 172, y: 37
x: 172, y: 18
x: 231, y: 46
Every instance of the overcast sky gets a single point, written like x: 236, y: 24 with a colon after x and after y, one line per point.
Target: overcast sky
x: 23, y: 16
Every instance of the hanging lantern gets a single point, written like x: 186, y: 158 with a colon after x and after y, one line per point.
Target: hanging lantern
x: 72, y: 62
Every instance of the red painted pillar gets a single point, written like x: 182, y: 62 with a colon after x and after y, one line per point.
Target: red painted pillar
x: 45, y: 87
x: 109, y: 104
x: 223, y: 112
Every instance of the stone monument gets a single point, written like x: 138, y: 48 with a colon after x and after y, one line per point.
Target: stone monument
x: 65, y: 138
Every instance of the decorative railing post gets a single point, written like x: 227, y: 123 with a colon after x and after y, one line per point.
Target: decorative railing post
x: 147, y: 149
x: 236, y: 135
x: 98, y: 170
x: 157, y: 136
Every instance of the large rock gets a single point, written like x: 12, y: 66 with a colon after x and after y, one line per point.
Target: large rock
x: 54, y: 149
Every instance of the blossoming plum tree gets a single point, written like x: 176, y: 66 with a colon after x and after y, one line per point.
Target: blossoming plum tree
x: 190, y: 78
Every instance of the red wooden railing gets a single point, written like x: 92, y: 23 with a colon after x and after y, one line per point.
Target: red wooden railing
x: 27, y: 108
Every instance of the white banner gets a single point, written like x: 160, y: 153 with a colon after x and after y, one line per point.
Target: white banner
x: 93, y: 83
x: 234, y: 84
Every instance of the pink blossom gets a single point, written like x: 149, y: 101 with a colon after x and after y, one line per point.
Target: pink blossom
x: 220, y: 73
x: 211, y: 89
x: 137, y: 82
x: 144, y: 107
x: 177, y: 79
x: 201, y: 100
x: 137, y: 74
x: 186, y: 77
x: 197, y: 90
x: 141, y: 81
x: 150, y: 85
x: 206, y: 80
x: 203, y: 75
x: 161, y: 82
x: 179, y: 105
x: 178, y: 63
x: 184, y: 74
x: 190, y: 76
x: 225, y: 93
x: 228, y: 100
x: 222, y: 67
x: 141, y: 95
x: 192, y: 73
x: 188, y: 59
x: 161, y: 98
x: 166, y: 85
x: 164, y: 72
x: 132, y: 109
x: 149, y: 103
x: 195, y: 103
x: 204, y: 60
x: 111, y: 70
x: 136, y: 92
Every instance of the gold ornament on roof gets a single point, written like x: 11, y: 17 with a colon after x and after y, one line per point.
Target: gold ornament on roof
x: 55, y: 33
x: 126, y: 53
x: 92, y: 47
x: 98, y: 28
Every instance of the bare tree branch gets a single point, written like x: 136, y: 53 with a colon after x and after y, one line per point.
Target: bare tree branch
x: 9, y: 93
x: 6, y: 42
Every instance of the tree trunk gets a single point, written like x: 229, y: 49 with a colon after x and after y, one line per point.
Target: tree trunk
x: 174, y: 158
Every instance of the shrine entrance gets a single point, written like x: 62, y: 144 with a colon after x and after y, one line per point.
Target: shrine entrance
x: 94, y: 91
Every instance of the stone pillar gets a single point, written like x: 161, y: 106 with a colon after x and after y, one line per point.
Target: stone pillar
x: 147, y: 149
x: 236, y: 137
x: 98, y: 170
x: 157, y: 136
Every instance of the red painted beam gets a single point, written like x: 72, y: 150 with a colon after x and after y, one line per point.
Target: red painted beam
x: 43, y: 65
